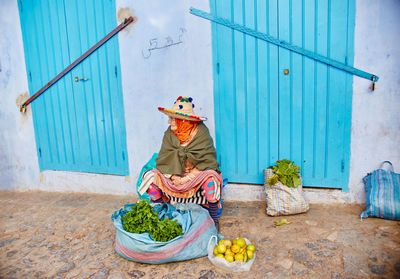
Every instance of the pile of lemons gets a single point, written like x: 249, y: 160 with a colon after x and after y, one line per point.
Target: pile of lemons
x: 235, y: 250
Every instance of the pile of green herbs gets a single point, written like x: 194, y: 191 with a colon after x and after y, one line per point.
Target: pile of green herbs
x: 286, y: 172
x: 142, y: 219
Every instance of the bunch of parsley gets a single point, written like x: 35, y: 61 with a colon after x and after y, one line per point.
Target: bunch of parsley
x: 142, y: 219
x: 286, y: 172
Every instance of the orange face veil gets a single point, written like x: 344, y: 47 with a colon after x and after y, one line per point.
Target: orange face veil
x: 183, y: 128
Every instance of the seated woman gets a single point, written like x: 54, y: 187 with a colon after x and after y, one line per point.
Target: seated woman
x: 186, y: 166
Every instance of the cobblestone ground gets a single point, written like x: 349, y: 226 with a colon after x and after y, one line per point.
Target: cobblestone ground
x: 59, y: 235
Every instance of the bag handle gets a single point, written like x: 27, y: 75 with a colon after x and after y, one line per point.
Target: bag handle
x: 212, y: 242
x: 388, y: 162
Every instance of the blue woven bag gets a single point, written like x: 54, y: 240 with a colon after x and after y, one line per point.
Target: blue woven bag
x: 383, y: 194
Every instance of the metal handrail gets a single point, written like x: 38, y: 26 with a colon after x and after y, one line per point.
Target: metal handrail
x: 280, y: 43
x: 126, y: 22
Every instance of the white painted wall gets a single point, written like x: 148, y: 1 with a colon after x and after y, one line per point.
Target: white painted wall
x: 18, y: 159
x: 186, y: 69
x: 375, y: 133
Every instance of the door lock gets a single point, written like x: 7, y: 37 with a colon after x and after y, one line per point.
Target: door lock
x: 80, y: 79
x: 286, y: 71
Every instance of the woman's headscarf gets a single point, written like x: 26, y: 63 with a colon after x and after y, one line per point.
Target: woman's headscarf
x: 184, y: 128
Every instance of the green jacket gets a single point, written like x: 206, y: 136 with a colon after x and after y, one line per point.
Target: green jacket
x: 200, y: 152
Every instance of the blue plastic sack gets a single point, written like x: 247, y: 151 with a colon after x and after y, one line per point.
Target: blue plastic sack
x: 197, y: 225
x: 150, y: 165
x: 383, y: 194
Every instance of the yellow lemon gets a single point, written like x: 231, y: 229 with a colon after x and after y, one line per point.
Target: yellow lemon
x: 234, y: 241
x: 227, y: 243
x: 251, y: 247
x: 220, y: 256
x: 228, y: 252
x: 221, y: 248
x: 249, y: 254
x: 239, y: 257
x: 229, y: 258
x: 235, y: 248
x: 221, y: 242
x: 241, y: 242
x: 215, y: 252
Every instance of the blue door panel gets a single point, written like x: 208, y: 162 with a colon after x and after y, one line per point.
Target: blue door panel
x: 41, y: 65
x: 79, y: 126
x: 309, y: 90
x: 262, y: 69
x: 225, y: 99
x: 304, y: 115
x: 273, y: 80
x: 251, y: 105
x: 285, y: 90
x: 296, y: 82
x: 240, y: 87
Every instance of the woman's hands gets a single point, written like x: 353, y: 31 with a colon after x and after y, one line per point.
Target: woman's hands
x: 194, y: 172
x: 180, y: 180
x: 190, y: 173
x: 177, y: 180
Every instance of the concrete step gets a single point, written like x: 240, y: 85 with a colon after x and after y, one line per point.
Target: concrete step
x: 254, y: 192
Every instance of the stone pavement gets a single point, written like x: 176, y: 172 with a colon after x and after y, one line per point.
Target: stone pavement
x: 64, y: 235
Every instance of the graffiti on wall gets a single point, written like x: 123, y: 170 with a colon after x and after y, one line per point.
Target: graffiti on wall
x: 161, y: 43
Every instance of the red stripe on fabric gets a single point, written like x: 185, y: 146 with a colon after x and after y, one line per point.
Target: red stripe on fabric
x: 170, y: 251
x: 188, y: 185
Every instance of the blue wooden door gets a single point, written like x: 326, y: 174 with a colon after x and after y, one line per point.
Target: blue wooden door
x: 79, y: 125
x: 272, y: 104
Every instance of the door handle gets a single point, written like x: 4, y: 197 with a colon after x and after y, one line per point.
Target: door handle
x: 80, y: 79
x: 286, y: 71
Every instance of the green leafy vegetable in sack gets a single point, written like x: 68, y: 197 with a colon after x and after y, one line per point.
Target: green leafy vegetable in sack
x: 286, y: 172
x: 142, y: 219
